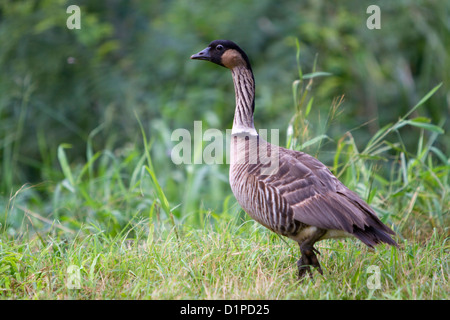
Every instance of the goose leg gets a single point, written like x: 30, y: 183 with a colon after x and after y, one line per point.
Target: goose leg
x: 309, y: 258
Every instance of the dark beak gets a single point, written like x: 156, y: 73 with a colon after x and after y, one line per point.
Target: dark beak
x: 202, y: 55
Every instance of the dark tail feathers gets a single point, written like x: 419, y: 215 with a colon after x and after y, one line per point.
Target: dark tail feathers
x: 372, y: 236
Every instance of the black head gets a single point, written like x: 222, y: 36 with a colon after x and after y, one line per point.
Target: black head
x: 225, y: 53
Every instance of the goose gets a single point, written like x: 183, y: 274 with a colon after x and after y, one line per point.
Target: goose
x: 289, y: 192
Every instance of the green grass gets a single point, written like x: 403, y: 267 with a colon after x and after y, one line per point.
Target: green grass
x: 112, y: 219
x: 231, y: 261
x: 138, y: 227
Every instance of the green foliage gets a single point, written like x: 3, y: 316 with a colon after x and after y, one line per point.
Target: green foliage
x: 85, y: 138
x: 57, y: 85
x: 63, y: 90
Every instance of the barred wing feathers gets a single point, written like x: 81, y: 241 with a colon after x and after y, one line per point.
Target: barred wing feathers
x: 319, y: 199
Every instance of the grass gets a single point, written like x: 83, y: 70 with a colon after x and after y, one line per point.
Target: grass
x: 119, y: 220
x: 119, y: 229
x: 232, y: 261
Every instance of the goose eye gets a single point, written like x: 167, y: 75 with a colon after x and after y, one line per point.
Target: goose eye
x: 219, y: 47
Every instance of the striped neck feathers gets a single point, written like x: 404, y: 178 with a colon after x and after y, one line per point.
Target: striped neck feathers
x: 244, y: 86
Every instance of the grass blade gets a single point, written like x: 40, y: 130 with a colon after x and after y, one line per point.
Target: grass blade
x: 159, y: 191
x: 65, y: 164
x: 422, y: 101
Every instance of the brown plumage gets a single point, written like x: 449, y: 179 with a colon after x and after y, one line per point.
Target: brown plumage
x: 287, y: 191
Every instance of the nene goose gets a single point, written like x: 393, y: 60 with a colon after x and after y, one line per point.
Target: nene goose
x: 287, y: 191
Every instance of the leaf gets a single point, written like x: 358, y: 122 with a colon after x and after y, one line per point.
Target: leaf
x: 440, y: 155
x: 150, y: 169
x: 65, y: 164
x: 316, y: 74
x: 421, y: 119
x: 308, y: 106
x: 297, y: 56
x: 313, y: 141
x: 92, y: 268
x: 425, y: 125
x: 379, y: 135
x: 423, y: 100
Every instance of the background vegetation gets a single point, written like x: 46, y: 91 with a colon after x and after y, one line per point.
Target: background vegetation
x: 86, y: 118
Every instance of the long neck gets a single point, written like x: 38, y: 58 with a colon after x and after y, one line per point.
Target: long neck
x: 244, y: 86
